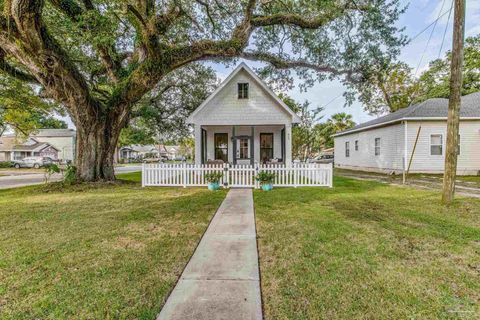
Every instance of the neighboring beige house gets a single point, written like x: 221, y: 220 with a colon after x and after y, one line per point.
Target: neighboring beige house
x: 387, y: 144
x: 63, y: 140
x: 243, y: 122
x: 12, y: 149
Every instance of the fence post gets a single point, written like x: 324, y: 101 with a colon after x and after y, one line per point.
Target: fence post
x: 255, y: 177
x: 225, y: 175
x: 184, y: 174
x: 331, y: 176
x: 295, y: 173
x: 143, y: 174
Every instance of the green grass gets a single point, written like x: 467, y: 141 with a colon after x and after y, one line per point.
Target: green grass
x: 367, y: 250
x: 96, y: 251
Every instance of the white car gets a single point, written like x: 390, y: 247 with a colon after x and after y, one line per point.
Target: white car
x: 32, y: 162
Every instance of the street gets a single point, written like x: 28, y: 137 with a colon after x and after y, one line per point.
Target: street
x: 13, y: 178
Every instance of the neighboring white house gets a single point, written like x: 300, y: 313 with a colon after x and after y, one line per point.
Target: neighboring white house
x: 173, y: 152
x: 136, y: 151
x: 243, y: 122
x: 386, y: 144
x: 62, y: 139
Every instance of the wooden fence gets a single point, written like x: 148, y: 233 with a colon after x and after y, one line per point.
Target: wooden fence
x: 187, y: 175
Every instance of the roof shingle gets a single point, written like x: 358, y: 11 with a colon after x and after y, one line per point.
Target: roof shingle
x: 431, y: 108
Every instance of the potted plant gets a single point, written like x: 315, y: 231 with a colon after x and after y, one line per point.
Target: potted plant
x: 213, y: 179
x: 266, y: 180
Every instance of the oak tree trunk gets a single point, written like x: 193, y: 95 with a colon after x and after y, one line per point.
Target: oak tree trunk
x: 453, y: 123
x: 95, y: 148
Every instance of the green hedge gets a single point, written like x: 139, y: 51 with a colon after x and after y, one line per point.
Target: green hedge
x: 6, y: 164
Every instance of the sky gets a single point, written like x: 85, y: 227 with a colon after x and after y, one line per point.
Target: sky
x: 419, y: 15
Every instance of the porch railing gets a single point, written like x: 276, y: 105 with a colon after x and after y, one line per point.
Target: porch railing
x: 188, y: 175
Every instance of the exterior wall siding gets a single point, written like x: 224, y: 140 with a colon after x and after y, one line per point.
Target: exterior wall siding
x: 225, y: 108
x: 423, y: 161
x: 391, y: 150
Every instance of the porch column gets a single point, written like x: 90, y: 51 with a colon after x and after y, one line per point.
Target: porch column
x: 234, y: 146
x: 288, y: 145
x: 198, y: 144
x: 252, y: 160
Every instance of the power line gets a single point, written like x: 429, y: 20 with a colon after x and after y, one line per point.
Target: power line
x: 332, y: 100
x: 445, y: 31
x: 429, y: 38
x: 427, y: 27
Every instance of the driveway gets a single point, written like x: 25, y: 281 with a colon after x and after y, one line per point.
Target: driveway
x: 433, y: 182
x: 22, y: 178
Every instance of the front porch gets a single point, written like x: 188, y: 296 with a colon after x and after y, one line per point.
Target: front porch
x: 243, y: 144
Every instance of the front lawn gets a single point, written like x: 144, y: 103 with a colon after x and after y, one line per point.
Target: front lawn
x: 98, y: 251
x: 367, y: 250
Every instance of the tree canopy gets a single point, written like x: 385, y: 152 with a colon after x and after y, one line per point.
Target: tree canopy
x: 22, y: 110
x: 99, y: 58
x: 395, y: 86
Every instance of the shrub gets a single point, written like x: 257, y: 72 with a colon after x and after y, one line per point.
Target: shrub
x: 70, y: 175
x: 49, y: 170
x: 265, y: 177
x: 214, y: 177
x: 6, y: 164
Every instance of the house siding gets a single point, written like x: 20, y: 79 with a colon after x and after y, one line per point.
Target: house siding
x: 391, y: 149
x: 225, y: 107
x: 422, y: 161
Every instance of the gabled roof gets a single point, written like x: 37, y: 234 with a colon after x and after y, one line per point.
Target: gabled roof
x: 11, y: 143
x: 431, y: 109
x: 243, y: 66
x: 54, y: 133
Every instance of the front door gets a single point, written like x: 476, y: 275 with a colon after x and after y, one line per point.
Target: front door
x: 243, y: 150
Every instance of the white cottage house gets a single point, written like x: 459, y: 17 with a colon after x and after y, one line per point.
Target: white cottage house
x: 415, y: 137
x: 243, y: 122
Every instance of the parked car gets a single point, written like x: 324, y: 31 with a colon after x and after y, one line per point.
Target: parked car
x: 32, y: 162
x: 326, y: 158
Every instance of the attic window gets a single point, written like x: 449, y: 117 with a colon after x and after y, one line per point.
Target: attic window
x: 243, y: 91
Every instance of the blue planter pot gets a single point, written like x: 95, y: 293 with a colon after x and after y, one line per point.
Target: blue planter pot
x: 267, y: 187
x: 213, y: 186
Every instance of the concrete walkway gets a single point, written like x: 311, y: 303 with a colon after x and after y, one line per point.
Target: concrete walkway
x: 221, y: 281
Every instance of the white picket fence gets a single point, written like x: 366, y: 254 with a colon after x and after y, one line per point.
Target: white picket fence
x: 188, y: 175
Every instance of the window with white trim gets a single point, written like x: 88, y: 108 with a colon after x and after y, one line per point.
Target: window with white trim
x: 347, y: 149
x: 377, y: 146
x: 243, y: 91
x: 356, y: 145
x: 436, y: 144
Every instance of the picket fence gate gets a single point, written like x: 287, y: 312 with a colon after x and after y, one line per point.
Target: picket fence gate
x: 189, y: 175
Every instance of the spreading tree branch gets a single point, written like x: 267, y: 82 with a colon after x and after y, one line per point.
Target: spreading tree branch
x: 107, y: 54
x: 281, y: 63
x: 14, y: 72
x: 44, y: 58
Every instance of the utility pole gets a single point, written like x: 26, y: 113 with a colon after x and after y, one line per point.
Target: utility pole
x: 453, y: 122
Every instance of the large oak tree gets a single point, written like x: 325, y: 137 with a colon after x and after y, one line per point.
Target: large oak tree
x: 100, y: 57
